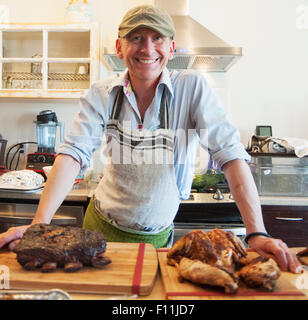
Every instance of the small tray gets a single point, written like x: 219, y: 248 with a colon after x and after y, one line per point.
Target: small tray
x: 24, y: 190
x: 54, y: 294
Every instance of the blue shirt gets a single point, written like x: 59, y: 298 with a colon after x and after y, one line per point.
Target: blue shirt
x: 195, y: 114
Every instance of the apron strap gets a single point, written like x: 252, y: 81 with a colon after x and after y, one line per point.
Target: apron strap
x: 163, y: 111
x: 117, y: 104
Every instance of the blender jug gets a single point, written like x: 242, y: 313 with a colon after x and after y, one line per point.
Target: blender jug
x: 46, y: 131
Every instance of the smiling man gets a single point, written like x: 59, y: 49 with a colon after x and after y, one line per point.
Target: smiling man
x: 145, y: 50
x: 137, y: 201
x: 146, y: 53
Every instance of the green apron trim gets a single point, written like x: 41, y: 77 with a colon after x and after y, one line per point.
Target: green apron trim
x: 95, y: 221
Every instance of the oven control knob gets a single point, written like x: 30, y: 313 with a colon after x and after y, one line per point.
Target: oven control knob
x: 218, y: 195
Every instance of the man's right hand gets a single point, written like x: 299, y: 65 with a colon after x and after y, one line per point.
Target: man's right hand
x: 12, y: 236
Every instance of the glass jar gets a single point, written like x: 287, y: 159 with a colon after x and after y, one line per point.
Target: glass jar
x: 78, y: 11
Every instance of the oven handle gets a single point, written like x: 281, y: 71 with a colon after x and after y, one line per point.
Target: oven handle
x: 59, y: 220
x: 289, y: 219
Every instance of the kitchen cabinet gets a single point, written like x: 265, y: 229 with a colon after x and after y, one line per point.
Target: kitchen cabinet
x: 48, y: 61
x: 289, y: 223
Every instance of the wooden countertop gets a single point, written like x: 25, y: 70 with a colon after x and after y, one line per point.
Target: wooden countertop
x: 158, y: 293
x: 300, y: 281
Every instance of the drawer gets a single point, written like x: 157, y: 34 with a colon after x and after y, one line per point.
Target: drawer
x: 290, y: 224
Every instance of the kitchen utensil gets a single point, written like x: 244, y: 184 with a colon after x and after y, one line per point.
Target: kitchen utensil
x: 54, y: 294
x: 46, y: 132
x: 22, y: 190
x: 82, y: 70
x: 176, y: 290
x: 132, y: 271
x: 36, y: 67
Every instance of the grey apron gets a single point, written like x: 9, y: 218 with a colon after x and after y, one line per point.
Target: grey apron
x: 138, y: 191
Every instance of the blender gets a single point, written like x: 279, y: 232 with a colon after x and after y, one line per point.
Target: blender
x: 46, y: 132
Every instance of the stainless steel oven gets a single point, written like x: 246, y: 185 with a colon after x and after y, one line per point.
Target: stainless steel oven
x: 17, y: 214
x: 181, y: 229
x: 206, y: 211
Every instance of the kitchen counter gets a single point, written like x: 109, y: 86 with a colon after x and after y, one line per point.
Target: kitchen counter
x: 83, y: 191
x: 284, y: 201
x: 265, y: 200
x: 79, y: 192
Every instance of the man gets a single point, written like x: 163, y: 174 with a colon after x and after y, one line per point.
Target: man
x: 139, y: 195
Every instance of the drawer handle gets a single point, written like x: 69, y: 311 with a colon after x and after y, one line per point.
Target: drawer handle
x: 289, y: 219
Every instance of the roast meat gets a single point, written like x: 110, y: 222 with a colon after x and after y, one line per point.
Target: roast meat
x: 203, y: 273
x: 48, y: 247
x: 219, y: 258
x: 260, y: 273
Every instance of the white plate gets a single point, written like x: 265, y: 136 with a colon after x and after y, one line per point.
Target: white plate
x: 27, y: 190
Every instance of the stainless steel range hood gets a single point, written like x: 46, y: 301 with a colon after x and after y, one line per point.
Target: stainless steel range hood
x: 196, y: 46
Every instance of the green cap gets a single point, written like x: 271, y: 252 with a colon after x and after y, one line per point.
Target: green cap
x: 147, y: 16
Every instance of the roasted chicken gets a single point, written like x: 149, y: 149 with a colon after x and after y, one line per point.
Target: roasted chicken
x: 203, y: 273
x: 216, y: 247
x: 260, y: 273
x: 218, y: 258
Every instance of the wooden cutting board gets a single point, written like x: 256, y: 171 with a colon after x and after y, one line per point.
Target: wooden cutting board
x: 176, y: 290
x: 133, y: 270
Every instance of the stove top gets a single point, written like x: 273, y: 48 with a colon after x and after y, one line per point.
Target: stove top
x: 217, y: 197
x: 223, y: 187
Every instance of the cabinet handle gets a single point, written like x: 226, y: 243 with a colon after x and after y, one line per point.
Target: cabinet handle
x: 289, y: 219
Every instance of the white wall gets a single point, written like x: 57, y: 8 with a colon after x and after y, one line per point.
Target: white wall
x: 268, y: 85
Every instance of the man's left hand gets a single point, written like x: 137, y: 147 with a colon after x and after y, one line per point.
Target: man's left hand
x: 277, y: 250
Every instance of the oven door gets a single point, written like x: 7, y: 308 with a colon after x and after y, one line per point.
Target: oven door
x: 182, y: 228
x: 18, y: 214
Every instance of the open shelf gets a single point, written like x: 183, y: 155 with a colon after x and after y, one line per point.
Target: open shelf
x: 48, y: 60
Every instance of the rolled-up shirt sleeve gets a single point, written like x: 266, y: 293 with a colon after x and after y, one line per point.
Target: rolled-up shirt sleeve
x: 87, y: 129
x: 216, y: 132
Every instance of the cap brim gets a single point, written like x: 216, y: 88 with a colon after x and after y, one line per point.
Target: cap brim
x: 157, y: 29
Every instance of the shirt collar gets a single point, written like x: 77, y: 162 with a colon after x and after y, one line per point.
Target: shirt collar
x: 123, y: 80
x: 165, y: 79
